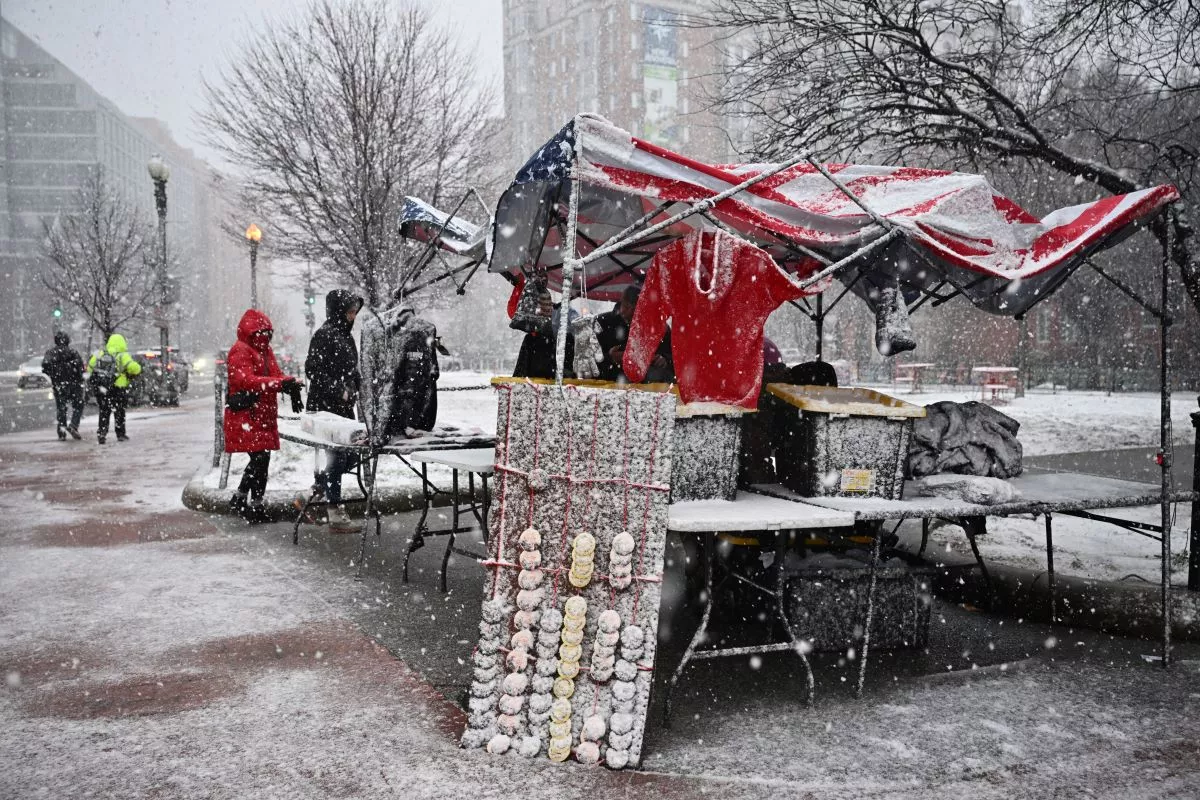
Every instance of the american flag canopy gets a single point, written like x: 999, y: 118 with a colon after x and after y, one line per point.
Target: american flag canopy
x: 956, y: 230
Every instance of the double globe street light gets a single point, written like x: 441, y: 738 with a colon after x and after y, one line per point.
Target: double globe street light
x: 160, y: 173
x: 253, y: 236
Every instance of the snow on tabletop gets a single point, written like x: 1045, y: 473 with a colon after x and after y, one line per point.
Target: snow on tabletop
x: 752, y: 511
x: 564, y: 539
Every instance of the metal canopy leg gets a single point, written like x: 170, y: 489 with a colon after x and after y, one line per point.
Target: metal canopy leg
x: 369, y: 480
x: 1050, y: 568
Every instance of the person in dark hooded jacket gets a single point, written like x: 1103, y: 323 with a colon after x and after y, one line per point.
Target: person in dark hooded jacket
x: 64, y: 367
x: 331, y: 370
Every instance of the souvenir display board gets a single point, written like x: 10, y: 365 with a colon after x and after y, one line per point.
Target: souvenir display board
x: 568, y: 631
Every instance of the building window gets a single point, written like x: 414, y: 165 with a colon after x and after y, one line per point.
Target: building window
x: 634, y: 42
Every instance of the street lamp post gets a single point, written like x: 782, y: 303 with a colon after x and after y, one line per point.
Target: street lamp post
x: 160, y: 173
x: 254, y: 236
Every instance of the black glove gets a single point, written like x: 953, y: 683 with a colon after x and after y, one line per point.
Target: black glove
x: 297, y: 403
x: 290, y: 384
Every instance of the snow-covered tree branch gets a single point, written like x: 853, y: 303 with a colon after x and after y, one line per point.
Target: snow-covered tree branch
x: 332, y: 118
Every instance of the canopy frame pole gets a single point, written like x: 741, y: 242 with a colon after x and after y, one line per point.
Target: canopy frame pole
x: 431, y: 247
x: 619, y: 242
x: 819, y: 319
x: 570, y: 262
x: 1165, y: 446
x: 1129, y: 292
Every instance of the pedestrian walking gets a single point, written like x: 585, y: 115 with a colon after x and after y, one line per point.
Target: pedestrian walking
x: 64, y: 367
x: 252, y: 410
x: 110, y: 371
x: 331, y: 370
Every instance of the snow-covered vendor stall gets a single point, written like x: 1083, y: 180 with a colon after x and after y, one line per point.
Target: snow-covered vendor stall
x: 592, y: 474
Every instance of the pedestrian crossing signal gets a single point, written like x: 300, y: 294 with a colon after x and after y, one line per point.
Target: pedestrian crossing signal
x: 57, y: 312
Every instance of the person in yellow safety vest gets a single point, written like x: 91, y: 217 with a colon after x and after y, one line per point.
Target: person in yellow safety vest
x: 109, y: 371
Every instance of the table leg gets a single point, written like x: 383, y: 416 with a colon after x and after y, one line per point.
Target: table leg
x: 973, y: 526
x: 924, y: 535
x: 781, y: 612
x: 866, y: 642
x: 300, y: 517
x: 454, y: 517
x: 1050, y: 568
x: 372, y: 465
x: 701, y: 633
x: 418, y: 537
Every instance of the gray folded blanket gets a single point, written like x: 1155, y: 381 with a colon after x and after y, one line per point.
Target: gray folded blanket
x: 964, y: 438
x: 968, y: 488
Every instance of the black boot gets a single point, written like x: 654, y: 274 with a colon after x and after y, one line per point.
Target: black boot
x: 62, y: 434
x: 237, y: 505
x: 74, y: 431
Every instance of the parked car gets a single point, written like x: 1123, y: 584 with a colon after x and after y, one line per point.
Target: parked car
x: 158, y: 386
x: 30, y: 375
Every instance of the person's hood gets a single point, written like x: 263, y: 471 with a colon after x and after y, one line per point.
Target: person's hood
x: 61, y: 339
x: 252, y: 322
x: 338, y: 302
x: 116, y: 344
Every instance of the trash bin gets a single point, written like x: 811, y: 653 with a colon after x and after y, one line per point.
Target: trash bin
x: 840, y: 442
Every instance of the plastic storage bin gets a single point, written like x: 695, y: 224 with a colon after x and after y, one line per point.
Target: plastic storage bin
x: 843, y: 442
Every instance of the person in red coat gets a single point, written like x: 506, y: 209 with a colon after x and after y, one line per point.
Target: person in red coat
x: 252, y: 409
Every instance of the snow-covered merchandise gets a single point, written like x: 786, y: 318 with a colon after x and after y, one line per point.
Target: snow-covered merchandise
x: 399, y: 367
x: 575, y: 561
x: 893, y: 333
x: 333, y: 428
x: 965, y: 438
x: 707, y: 457
x: 968, y: 488
x: 588, y: 354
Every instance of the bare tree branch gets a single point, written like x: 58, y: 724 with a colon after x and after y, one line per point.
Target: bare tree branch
x: 1103, y: 91
x: 335, y: 117
x: 98, y: 259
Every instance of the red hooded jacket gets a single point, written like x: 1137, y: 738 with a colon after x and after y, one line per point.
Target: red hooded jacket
x: 252, y: 367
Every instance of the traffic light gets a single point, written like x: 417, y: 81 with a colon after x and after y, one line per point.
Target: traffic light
x: 57, y: 312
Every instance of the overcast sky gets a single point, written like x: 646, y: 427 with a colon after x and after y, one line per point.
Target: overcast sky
x: 147, y: 56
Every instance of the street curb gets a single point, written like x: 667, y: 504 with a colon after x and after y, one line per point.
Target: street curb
x: 1110, y: 606
x: 279, y: 503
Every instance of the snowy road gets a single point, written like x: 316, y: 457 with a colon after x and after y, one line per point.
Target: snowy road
x: 153, y: 652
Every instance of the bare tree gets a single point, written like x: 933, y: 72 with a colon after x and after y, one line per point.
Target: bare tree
x: 1105, y: 92
x: 98, y: 259
x: 334, y: 117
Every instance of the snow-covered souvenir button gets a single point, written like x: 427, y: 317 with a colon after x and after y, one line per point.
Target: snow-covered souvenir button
x: 539, y: 703
x: 568, y: 669
x: 564, y: 687
x: 609, y: 620
x: 593, y: 728
x: 529, y: 539
x: 543, y: 684
x: 632, y: 636
x: 529, y: 578
x: 616, y: 759
x: 526, y: 619
x: 583, y: 545
x: 622, y: 543
x: 570, y: 652
x: 572, y: 637
x: 587, y: 753
x: 510, y: 704
x: 508, y: 723
x: 560, y: 709
x: 623, y: 690
x: 516, y: 683
x: 625, y: 670
x: 607, y: 638
x: 551, y: 620
x: 499, y: 744
x: 575, y: 606
x: 530, y: 560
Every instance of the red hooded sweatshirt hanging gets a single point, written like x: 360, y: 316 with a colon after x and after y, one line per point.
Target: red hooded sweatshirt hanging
x: 718, y: 291
x: 252, y: 367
